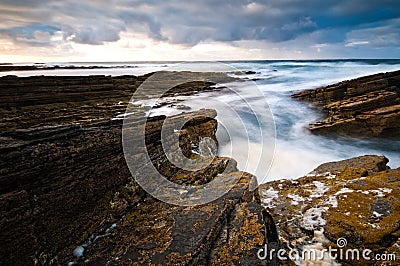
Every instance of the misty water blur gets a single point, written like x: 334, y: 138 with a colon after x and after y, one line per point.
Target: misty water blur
x: 295, y: 151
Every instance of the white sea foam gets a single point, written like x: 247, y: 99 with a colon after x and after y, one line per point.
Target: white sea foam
x: 268, y: 197
x: 297, y: 151
x: 344, y: 191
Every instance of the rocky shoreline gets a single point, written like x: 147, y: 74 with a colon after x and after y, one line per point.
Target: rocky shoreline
x: 355, y: 199
x: 362, y: 107
x: 68, y: 197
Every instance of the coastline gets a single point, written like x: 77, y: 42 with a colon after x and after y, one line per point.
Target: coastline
x: 70, y: 145
x: 337, y: 212
x: 71, y: 193
x: 216, y: 133
x: 365, y: 107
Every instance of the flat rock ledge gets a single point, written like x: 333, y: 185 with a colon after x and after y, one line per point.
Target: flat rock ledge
x: 366, y: 106
x: 346, y: 205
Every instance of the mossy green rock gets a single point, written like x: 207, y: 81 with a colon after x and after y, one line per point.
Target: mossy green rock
x: 356, y: 199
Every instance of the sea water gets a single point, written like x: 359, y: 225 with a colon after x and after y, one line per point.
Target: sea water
x: 294, y: 151
x: 298, y: 151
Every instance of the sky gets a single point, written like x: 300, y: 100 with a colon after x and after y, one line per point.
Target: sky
x: 138, y: 30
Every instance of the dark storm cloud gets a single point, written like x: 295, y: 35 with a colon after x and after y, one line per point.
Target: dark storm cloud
x: 35, y: 34
x: 28, y: 31
x: 191, y: 22
x: 379, y: 36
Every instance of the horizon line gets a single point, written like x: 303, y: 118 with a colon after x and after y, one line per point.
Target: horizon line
x: 181, y: 61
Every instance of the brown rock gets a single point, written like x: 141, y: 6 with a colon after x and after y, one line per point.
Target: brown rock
x: 369, y: 163
x: 157, y: 233
x: 338, y: 201
x: 65, y: 185
x: 367, y: 106
x: 245, y: 233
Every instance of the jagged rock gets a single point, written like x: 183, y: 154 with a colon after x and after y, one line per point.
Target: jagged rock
x: 158, y: 233
x: 249, y: 228
x: 67, y: 194
x: 367, y: 106
x: 371, y: 164
x: 355, y: 199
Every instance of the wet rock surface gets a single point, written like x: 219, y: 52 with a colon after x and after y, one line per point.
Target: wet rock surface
x: 366, y: 106
x: 158, y: 233
x: 46, y: 101
x: 67, y: 195
x: 370, y: 163
x: 355, y: 199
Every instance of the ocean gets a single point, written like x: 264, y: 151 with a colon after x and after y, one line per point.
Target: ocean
x: 260, y: 125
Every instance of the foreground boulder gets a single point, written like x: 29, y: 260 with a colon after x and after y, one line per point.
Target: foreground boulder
x: 347, y: 205
x: 366, y: 106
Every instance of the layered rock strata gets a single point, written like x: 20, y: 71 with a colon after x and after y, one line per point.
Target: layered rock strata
x: 54, y: 100
x: 366, y: 106
x: 68, y: 197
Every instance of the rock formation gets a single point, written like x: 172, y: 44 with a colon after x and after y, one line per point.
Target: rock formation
x: 68, y: 197
x: 366, y: 106
x: 355, y: 199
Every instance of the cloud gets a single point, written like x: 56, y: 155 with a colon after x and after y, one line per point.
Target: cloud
x: 381, y: 36
x: 36, y: 34
x: 356, y: 43
x: 188, y: 23
x: 95, y: 34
